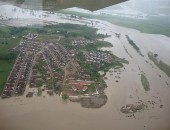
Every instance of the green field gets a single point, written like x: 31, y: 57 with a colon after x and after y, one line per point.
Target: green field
x: 5, y: 68
x: 5, y: 63
x: 5, y: 32
x: 51, y: 38
x: 6, y: 44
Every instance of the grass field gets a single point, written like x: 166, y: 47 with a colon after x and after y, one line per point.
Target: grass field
x: 4, y: 32
x: 51, y: 38
x: 5, y: 68
x: 6, y: 44
x: 5, y: 65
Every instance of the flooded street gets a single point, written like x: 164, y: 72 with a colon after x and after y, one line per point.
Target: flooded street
x: 21, y: 113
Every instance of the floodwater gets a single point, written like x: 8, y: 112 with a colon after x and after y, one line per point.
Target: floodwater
x: 21, y: 113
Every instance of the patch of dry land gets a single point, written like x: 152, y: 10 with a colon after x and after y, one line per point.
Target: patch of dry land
x: 128, y: 107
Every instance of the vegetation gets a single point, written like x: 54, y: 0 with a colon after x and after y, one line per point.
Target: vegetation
x: 6, y: 44
x: 96, y: 45
x: 89, y: 47
x: 93, y: 68
x: 159, y: 63
x: 131, y: 42
x: 145, y: 82
x: 39, y: 93
x: 4, y: 32
x: 92, y: 87
x: 65, y: 96
x: 51, y: 38
x: 10, y: 37
x: 39, y: 83
x: 40, y: 67
x: 5, y: 68
x: 154, y: 25
x: 68, y: 30
x: 7, y: 59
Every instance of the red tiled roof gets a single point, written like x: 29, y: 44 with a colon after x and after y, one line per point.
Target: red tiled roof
x: 80, y: 82
x: 78, y: 86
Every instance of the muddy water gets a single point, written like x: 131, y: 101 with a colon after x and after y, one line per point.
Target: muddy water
x: 130, y: 90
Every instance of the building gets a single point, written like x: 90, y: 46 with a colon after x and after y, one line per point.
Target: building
x: 79, y: 85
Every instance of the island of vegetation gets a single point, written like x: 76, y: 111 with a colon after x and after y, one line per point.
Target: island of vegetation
x: 145, y: 82
x: 64, y: 59
x: 159, y: 63
x: 131, y: 42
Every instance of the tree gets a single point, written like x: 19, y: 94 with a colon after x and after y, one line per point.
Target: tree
x: 65, y: 96
x: 155, y: 55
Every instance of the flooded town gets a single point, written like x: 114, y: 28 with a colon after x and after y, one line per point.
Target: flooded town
x: 43, y: 66
x: 78, y: 72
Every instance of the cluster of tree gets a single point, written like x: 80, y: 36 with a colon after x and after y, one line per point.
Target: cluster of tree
x: 68, y: 30
x: 159, y: 63
x: 102, y: 35
x: 4, y: 32
x: 91, y: 69
x: 100, y: 44
x: 94, y: 68
x: 89, y: 47
x: 92, y: 87
x: 65, y: 97
x: 80, y: 57
x: 73, y: 30
x: 131, y: 42
x: 145, y: 82
x: 8, y: 57
x: 4, y: 42
x: 40, y: 67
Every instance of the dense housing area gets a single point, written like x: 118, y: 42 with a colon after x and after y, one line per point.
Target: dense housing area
x: 64, y: 63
